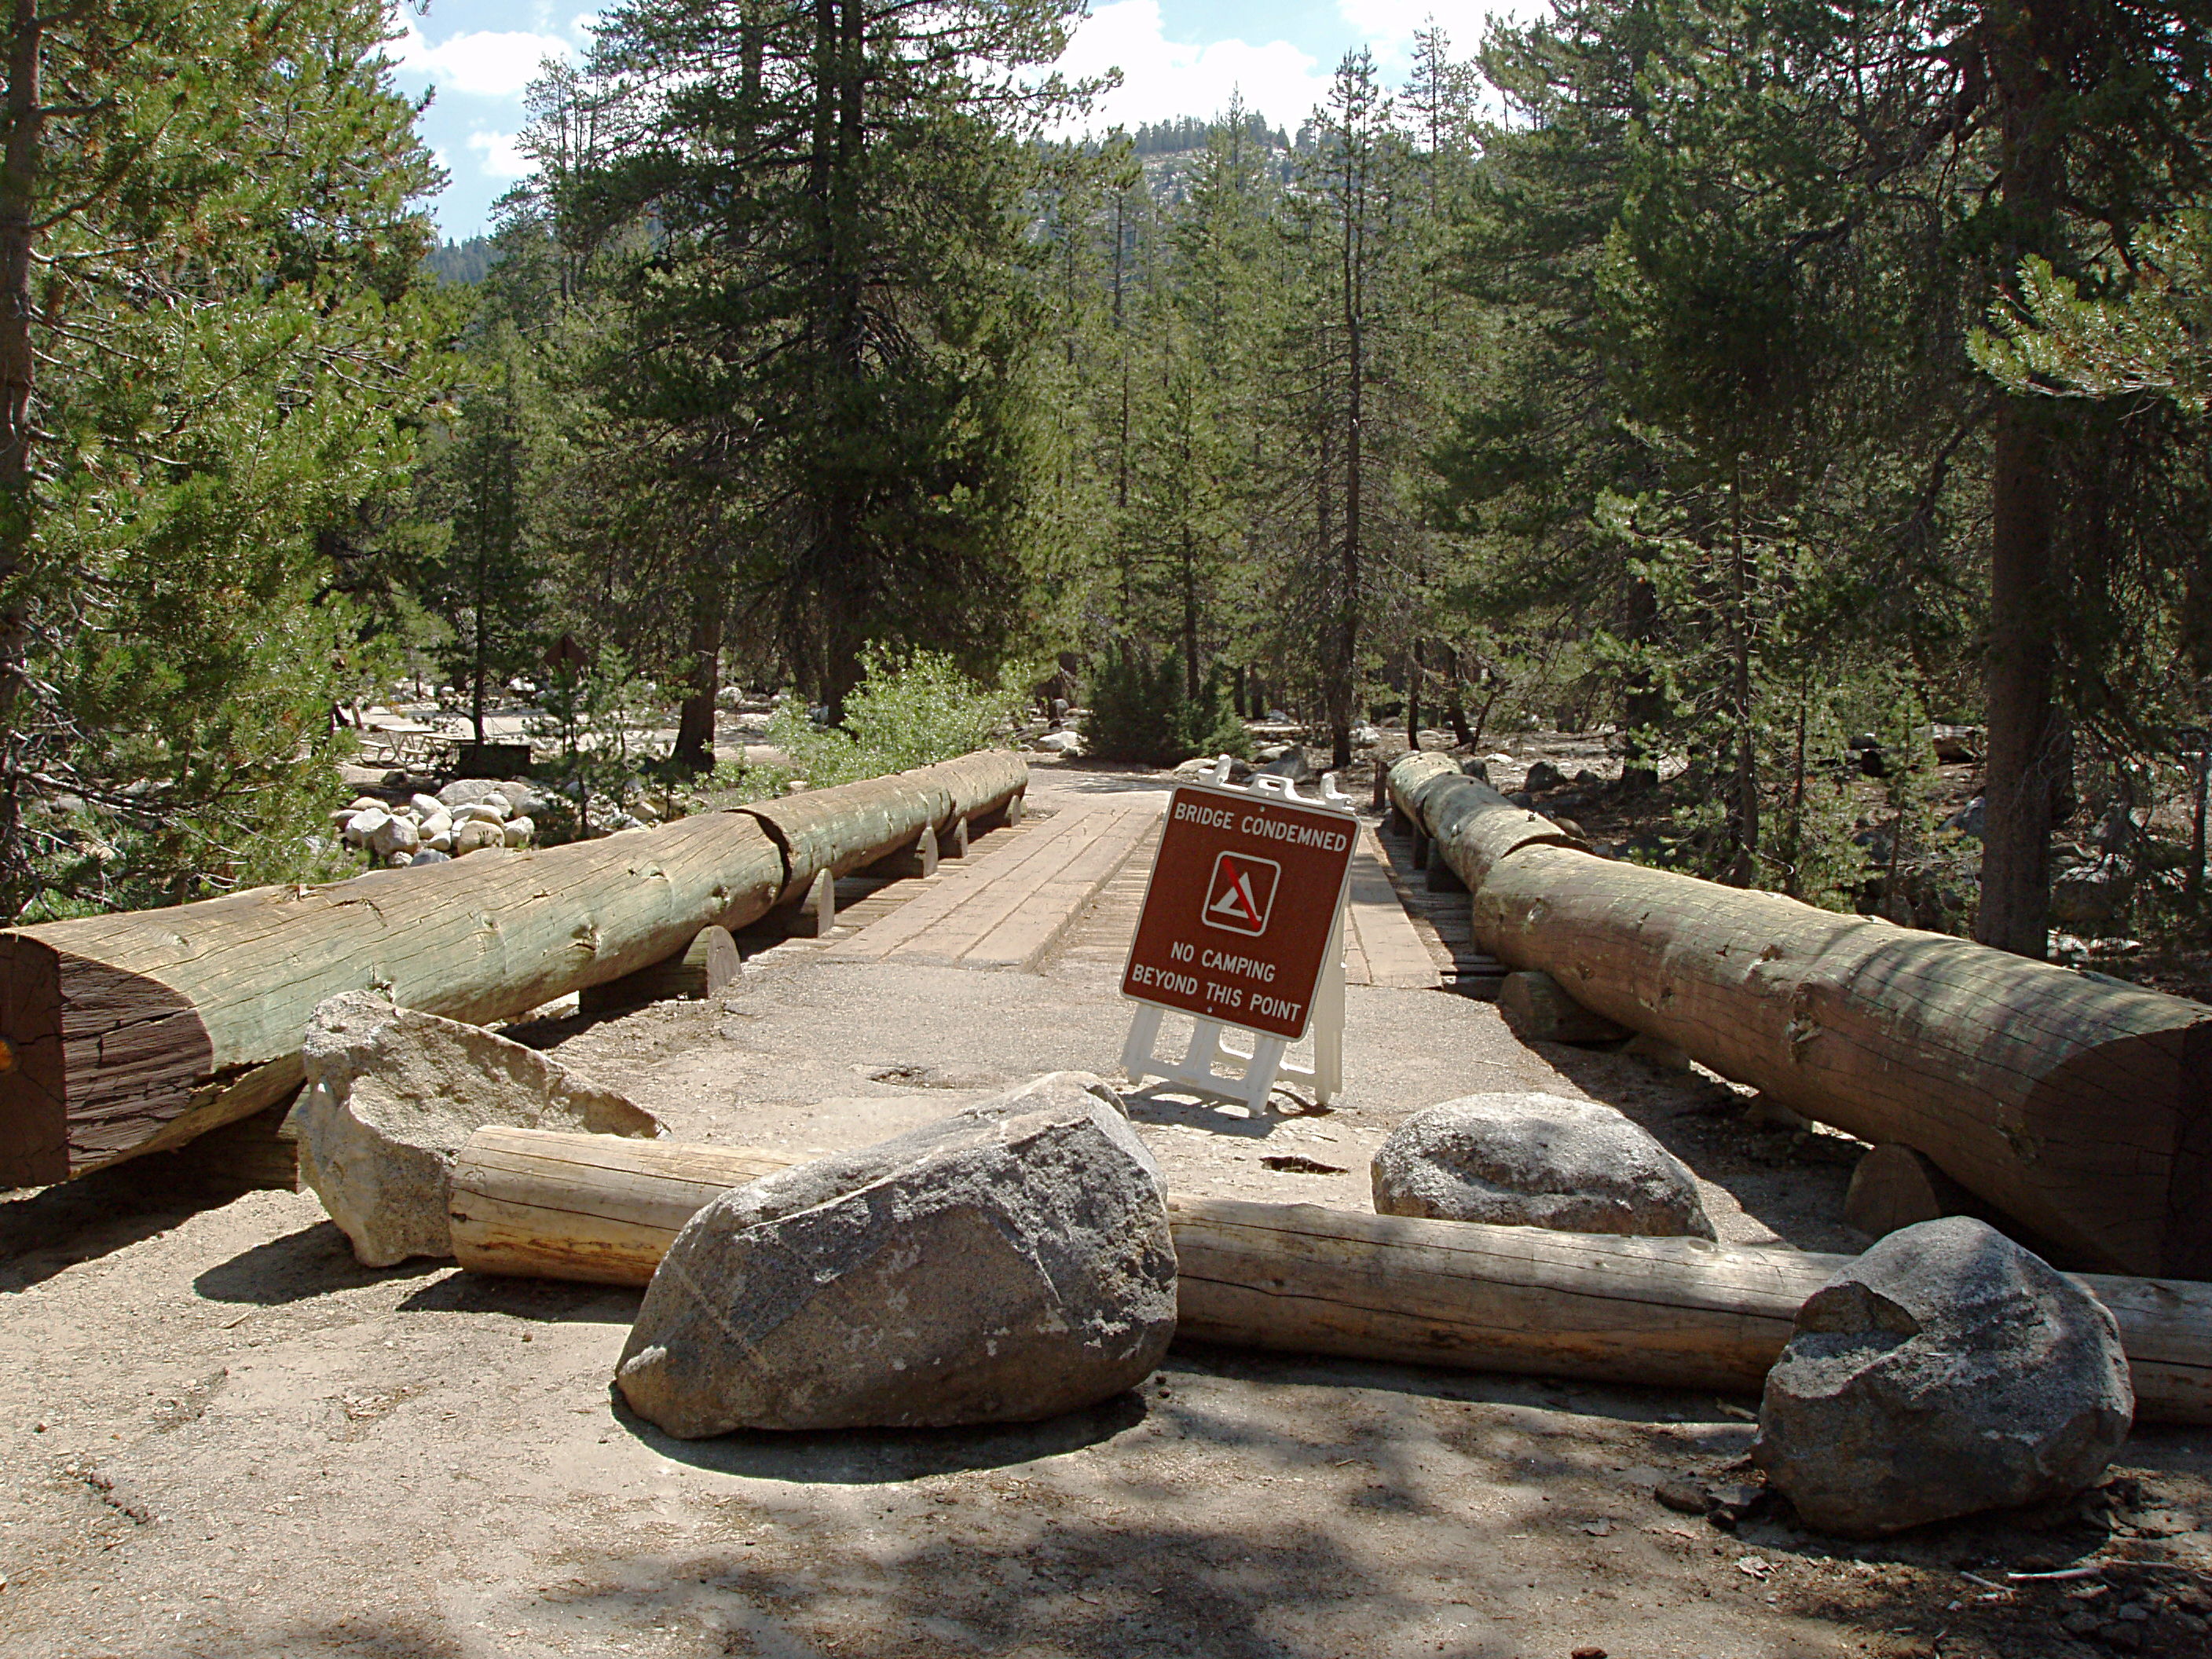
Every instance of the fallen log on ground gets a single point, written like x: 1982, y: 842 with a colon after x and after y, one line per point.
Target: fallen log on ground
x: 2080, y: 1107
x: 1675, y: 1312
x: 126, y: 1034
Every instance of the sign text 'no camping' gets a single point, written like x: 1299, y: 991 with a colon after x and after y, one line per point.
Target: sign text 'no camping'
x: 1242, y: 905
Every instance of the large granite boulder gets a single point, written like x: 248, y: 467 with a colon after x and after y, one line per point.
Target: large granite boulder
x: 1536, y: 1160
x: 1006, y: 1264
x: 1946, y: 1370
x: 393, y: 1095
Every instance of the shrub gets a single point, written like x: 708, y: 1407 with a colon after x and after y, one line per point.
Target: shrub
x: 1139, y: 712
x: 908, y: 711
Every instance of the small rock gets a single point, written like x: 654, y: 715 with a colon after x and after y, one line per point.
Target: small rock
x: 1543, y: 775
x: 439, y: 823
x: 494, y: 810
x: 394, y: 836
x: 1683, y: 1496
x: 429, y: 856
x: 365, y: 823
x: 518, y: 832
x: 1059, y: 742
x: 1006, y: 1264
x: 477, y: 834
x: 1536, y: 1160
x: 465, y: 792
x: 1292, y: 764
x: 1587, y: 1653
x: 426, y: 807
x: 1567, y: 825
x: 441, y: 842
x: 1539, y: 1011
x: 2127, y: 1638
x: 398, y: 860
x: 1969, y: 820
x: 1946, y: 1371
x: 522, y: 800
x: 364, y: 803
x: 394, y: 1094
x: 2081, y: 1621
x: 1473, y: 767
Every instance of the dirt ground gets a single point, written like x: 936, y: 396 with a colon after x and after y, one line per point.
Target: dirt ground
x: 221, y: 1436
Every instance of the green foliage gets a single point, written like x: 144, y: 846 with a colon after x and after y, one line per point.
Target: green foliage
x: 1140, y: 711
x: 2151, y: 331
x: 224, y: 362
x: 597, y: 768
x: 909, y: 709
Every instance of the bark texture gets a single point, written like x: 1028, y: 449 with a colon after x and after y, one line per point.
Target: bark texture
x: 2081, y: 1107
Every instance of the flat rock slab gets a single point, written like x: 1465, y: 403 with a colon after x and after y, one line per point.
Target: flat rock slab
x: 1946, y: 1371
x: 1537, y: 1160
x: 394, y: 1094
x: 1006, y: 1264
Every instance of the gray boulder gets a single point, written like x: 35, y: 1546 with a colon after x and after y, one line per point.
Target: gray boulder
x: 1536, y: 1160
x: 1006, y: 1264
x: 467, y: 791
x: 1946, y: 1371
x: 393, y: 1095
x: 1544, y: 775
x: 1292, y: 764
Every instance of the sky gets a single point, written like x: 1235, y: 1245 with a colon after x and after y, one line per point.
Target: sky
x: 1177, y: 57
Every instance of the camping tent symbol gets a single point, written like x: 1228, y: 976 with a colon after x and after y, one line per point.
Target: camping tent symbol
x: 1241, y: 894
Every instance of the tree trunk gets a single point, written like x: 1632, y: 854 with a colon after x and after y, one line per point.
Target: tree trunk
x: 19, y: 185
x: 2080, y: 1107
x: 1298, y: 1279
x: 2024, y: 740
x: 2023, y: 735
x: 695, y: 721
x: 1414, y: 673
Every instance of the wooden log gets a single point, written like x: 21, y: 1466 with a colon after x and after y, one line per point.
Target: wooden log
x: 855, y: 824
x: 709, y: 962
x: 126, y: 1033
x: 1893, y: 1187
x: 601, y: 1209
x: 2080, y: 1107
x: 1295, y: 1277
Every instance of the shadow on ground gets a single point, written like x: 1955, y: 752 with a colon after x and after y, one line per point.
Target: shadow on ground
x: 48, y: 1230
x: 313, y: 1261
x: 867, y: 1457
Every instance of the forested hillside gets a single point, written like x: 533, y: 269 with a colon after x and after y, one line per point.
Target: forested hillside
x: 1764, y: 387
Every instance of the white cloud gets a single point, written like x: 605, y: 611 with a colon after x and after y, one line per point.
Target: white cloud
x: 484, y: 63
x: 1162, y: 79
x: 501, y: 159
x: 1388, y: 25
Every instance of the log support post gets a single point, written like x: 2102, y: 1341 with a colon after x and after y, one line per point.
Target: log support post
x: 707, y: 964
x: 919, y: 860
x: 1443, y: 878
x: 814, y: 916
x: 1421, y: 848
x: 955, y: 841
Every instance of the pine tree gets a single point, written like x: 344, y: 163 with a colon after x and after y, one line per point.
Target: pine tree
x: 210, y: 354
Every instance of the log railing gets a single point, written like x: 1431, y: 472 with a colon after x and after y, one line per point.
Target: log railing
x: 2079, y: 1106
x: 131, y: 1033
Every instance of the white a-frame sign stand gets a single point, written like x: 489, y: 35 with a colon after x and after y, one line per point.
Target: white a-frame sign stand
x: 1253, y: 1073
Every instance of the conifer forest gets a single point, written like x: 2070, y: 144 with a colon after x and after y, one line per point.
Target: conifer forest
x: 1801, y: 401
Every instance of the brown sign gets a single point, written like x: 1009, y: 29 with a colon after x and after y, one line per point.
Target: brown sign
x: 1244, y: 898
